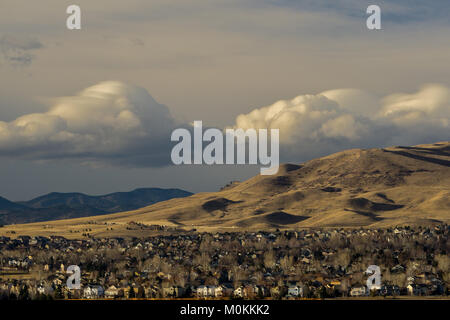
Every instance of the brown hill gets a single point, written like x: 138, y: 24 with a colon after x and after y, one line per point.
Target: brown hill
x: 353, y: 188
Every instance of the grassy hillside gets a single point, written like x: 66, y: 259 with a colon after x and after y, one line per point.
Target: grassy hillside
x: 354, y: 188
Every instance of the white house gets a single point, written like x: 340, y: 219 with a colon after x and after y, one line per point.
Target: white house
x: 112, y: 292
x: 295, y: 291
x: 359, y: 291
x: 206, y: 291
x: 239, y: 292
x: 44, y: 289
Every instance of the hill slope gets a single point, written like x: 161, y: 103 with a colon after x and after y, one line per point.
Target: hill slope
x: 5, y: 204
x: 353, y: 188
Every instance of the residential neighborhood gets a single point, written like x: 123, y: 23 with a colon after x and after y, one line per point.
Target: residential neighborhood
x: 322, y: 263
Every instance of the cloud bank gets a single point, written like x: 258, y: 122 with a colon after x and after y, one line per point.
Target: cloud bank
x: 316, y: 125
x: 121, y: 124
x: 109, y: 122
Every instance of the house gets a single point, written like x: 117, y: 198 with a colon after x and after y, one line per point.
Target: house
x: 224, y: 290
x: 359, y: 291
x: 173, y: 292
x: 417, y: 289
x: 295, y: 291
x: 151, y: 292
x: 412, y: 289
x: 398, y: 269
x: 93, y: 292
x: 389, y: 290
x: 112, y: 292
x: 334, y: 284
x: 44, y: 289
x: 251, y: 291
x: 436, y: 287
x: 238, y: 292
x: 277, y: 291
x: 206, y: 291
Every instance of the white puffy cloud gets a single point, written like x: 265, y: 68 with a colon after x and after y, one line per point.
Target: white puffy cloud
x: 356, y: 101
x: 422, y: 116
x: 314, y: 125
x: 430, y: 105
x: 110, y: 121
x: 306, y: 118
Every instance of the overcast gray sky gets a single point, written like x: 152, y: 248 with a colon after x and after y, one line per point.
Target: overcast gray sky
x: 91, y: 110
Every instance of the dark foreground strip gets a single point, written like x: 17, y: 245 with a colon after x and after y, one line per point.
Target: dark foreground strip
x: 226, y: 309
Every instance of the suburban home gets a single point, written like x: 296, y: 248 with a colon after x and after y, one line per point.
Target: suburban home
x: 93, y: 292
x: 251, y: 291
x: 359, y: 291
x: 417, y: 289
x: 334, y: 285
x: 112, y: 292
x: 173, y: 292
x: 223, y: 290
x: 45, y: 289
x: 295, y: 291
x: 389, y: 290
x: 238, y: 292
x: 206, y: 291
x: 398, y: 269
x: 278, y: 291
x: 151, y: 292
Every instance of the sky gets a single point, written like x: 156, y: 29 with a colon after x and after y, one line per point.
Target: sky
x: 91, y: 110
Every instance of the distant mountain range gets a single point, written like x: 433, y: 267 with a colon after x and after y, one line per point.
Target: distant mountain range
x: 55, y: 205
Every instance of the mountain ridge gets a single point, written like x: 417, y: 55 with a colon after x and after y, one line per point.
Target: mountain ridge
x: 60, y: 205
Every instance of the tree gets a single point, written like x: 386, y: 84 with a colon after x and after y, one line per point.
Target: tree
x: 443, y: 262
x: 343, y: 257
x: 58, y: 293
x: 24, y: 294
x: 131, y: 293
x: 141, y: 293
x: 269, y: 259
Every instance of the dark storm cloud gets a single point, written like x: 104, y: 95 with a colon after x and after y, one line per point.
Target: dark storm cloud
x: 17, y: 51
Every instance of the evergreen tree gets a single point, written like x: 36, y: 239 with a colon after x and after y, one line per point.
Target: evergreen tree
x: 23, y: 294
x: 131, y: 293
x: 58, y: 293
x: 141, y: 292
